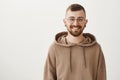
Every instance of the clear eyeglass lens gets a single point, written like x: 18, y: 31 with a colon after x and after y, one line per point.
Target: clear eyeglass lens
x: 71, y: 20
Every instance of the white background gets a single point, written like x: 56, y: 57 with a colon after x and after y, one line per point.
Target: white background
x: 27, y: 28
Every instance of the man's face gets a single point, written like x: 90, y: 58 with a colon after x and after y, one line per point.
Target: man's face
x: 75, y: 21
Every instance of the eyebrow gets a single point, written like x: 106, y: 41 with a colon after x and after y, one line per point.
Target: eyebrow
x: 80, y: 17
x: 74, y: 17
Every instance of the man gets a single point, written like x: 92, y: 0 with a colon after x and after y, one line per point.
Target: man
x: 75, y: 55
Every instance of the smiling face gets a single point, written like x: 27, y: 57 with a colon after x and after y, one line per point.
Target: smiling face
x: 75, y: 22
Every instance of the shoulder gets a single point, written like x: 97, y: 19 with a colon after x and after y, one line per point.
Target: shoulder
x: 52, y: 48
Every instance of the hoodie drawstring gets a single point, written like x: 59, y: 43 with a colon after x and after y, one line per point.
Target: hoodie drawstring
x: 70, y: 60
x: 84, y: 56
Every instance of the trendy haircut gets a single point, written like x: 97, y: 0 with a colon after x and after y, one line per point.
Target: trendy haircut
x: 76, y: 7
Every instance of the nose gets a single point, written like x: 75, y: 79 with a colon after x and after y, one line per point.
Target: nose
x: 75, y: 22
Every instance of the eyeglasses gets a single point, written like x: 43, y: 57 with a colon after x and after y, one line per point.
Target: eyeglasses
x: 72, y: 20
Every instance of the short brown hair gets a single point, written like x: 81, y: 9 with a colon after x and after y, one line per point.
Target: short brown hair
x: 76, y: 7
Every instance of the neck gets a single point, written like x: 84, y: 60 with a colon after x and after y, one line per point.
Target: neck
x: 73, y: 39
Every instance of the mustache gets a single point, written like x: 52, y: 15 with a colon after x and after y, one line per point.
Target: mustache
x: 78, y: 26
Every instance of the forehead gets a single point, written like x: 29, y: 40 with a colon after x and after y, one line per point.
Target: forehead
x: 75, y: 14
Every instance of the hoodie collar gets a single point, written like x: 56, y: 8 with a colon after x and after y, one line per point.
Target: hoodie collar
x: 60, y: 39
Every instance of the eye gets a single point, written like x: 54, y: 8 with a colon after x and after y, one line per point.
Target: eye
x: 80, y: 20
x: 72, y: 19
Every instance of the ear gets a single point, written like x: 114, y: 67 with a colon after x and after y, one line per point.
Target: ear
x: 64, y: 20
x: 86, y: 21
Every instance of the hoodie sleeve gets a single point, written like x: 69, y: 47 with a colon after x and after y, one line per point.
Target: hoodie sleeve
x: 50, y: 66
x: 101, y: 73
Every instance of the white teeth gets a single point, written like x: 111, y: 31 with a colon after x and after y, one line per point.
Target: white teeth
x: 76, y: 28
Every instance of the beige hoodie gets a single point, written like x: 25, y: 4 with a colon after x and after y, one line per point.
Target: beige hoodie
x: 83, y: 61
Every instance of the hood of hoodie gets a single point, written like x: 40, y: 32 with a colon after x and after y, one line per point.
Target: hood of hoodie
x: 60, y: 39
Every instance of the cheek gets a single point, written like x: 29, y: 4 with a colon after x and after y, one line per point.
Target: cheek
x: 83, y: 25
x: 67, y: 25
